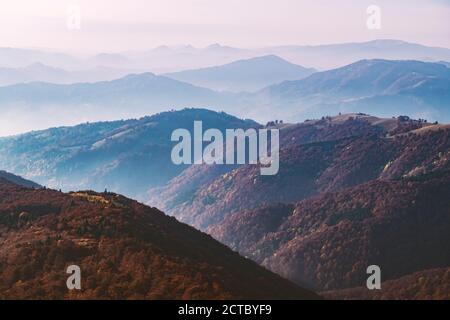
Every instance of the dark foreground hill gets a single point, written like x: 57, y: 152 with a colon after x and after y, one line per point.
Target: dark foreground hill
x: 125, y: 251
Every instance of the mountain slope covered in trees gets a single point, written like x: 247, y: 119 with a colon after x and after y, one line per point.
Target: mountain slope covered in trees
x: 352, y: 191
x: 316, y: 156
x: 128, y: 156
x: 125, y: 250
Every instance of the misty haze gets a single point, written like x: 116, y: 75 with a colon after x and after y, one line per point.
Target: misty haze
x: 356, y: 97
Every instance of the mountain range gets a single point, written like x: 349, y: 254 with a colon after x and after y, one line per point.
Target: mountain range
x: 380, y: 87
x: 129, y: 156
x: 364, y: 173
x: 316, y: 156
x: 352, y: 190
x: 42, y: 105
x: 330, y: 56
x: 384, y: 88
x: 165, y: 59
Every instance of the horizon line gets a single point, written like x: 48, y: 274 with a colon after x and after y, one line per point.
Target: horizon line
x: 222, y: 45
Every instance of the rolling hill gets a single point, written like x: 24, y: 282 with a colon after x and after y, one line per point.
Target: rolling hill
x: 132, y: 90
x: 127, y: 156
x: 124, y: 249
x: 349, y: 187
x: 244, y: 75
x: 42, y: 105
x: 165, y: 59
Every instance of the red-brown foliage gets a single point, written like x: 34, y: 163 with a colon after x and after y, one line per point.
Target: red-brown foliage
x: 328, y: 242
x: 125, y: 250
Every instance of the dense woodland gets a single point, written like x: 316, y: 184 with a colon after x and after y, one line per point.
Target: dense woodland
x: 351, y: 191
x: 125, y: 251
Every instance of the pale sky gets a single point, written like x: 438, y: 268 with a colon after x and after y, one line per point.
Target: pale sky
x: 121, y: 25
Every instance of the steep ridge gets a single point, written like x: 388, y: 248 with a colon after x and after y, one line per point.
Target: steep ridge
x: 18, y: 180
x: 352, y: 191
x: 315, y: 157
x: 124, y: 249
x: 328, y: 241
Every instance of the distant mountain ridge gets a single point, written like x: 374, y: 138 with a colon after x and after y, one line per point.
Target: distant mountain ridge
x: 244, y: 75
x: 132, y: 96
x: 164, y: 59
x: 330, y: 56
x: 132, y: 87
x: 38, y: 72
x: 381, y: 87
x: 367, y: 77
